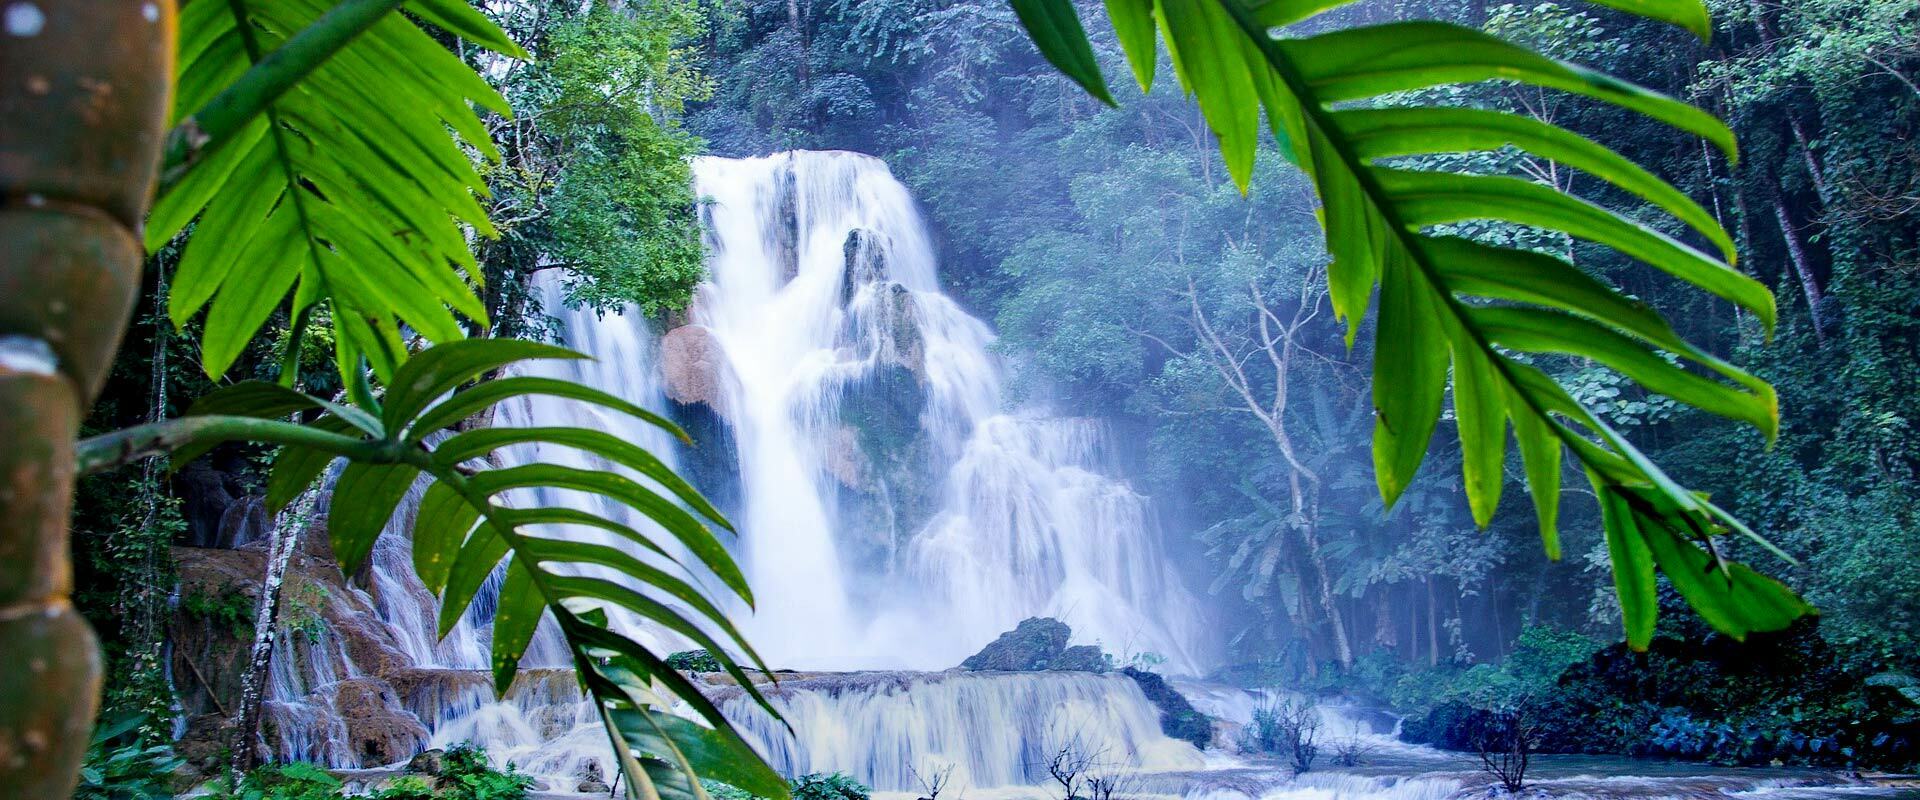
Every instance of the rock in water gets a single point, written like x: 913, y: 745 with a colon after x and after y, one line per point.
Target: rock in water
x: 1178, y: 718
x: 1079, y: 658
x: 1031, y: 645
x: 691, y: 361
x: 432, y: 762
x: 591, y: 780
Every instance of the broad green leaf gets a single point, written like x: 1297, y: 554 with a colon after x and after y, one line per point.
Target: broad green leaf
x: 257, y: 399
x: 1412, y: 347
x: 1633, y: 578
x: 459, y: 17
x: 1497, y: 273
x: 478, y: 557
x: 1055, y: 29
x: 553, y: 515
x: 296, y: 468
x: 1133, y: 25
x: 1207, y: 54
x: 521, y: 606
x: 1541, y: 331
x: 465, y: 404
x: 1480, y: 414
x: 1731, y: 597
x: 365, y: 497
x: 439, y: 529
x: 1540, y: 453
x: 1280, y: 13
x: 1688, y: 14
x: 567, y: 551
x: 479, y: 442
x: 1356, y: 63
x: 675, y: 520
x: 349, y: 187
x: 720, y: 756
x: 651, y: 665
x: 595, y: 589
x: 1429, y: 198
x: 1434, y: 292
x: 1392, y: 132
x: 438, y: 370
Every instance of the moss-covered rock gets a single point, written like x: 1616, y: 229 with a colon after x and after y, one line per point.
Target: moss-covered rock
x: 1030, y: 646
x: 1178, y: 718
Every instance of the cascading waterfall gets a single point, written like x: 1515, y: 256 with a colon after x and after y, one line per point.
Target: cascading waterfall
x: 897, y: 513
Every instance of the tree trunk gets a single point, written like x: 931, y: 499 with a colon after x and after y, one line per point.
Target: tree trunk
x: 282, y: 540
x: 1803, y: 269
x: 1433, y: 627
x: 82, y: 110
x: 1812, y: 160
x: 1342, y: 645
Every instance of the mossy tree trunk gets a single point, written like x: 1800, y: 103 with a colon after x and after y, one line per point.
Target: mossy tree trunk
x: 83, y: 96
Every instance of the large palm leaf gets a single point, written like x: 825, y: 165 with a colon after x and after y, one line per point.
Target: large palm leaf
x: 324, y: 150
x: 344, y: 187
x: 463, y: 533
x: 1456, y: 311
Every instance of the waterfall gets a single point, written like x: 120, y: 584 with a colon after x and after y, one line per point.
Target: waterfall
x: 897, y: 512
x: 983, y: 730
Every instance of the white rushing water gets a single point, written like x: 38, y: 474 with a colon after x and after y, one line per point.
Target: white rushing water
x: 823, y: 295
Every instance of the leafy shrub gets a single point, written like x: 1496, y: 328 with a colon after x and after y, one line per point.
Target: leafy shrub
x: 468, y: 775
x: 814, y: 786
x: 1286, y: 729
x: 693, y: 661
x: 411, y: 787
x: 230, y: 609
x: 296, y: 781
x: 829, y: 786
x: 121, y: 766
x: 1788, y: 697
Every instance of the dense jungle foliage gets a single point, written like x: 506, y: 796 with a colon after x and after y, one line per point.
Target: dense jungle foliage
x: 1130, y: 280
x: 1134, y: 280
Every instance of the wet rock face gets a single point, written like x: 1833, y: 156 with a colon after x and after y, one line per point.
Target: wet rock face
x: 338, y: 706
x: 866, y: 262
x: 846, y: 462
x: 378, y: 731
x: 692, y: 362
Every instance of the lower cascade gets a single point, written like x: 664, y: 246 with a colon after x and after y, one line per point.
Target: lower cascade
x: 894, y: 730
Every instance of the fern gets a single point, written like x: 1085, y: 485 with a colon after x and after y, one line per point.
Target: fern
x: 1460, y: 313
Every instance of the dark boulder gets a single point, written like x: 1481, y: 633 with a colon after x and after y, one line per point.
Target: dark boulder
x: 1031, y: 645
x: 1080, y: 658
x: 432, y: 762
x: 1178, y: 718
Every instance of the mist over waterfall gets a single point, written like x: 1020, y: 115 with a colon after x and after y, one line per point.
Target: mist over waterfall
x: 895, y: 511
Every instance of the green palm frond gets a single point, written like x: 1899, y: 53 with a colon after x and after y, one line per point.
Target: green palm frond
x: 345, y: 187
x: 463, y: 532
x: 1460, y: 313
